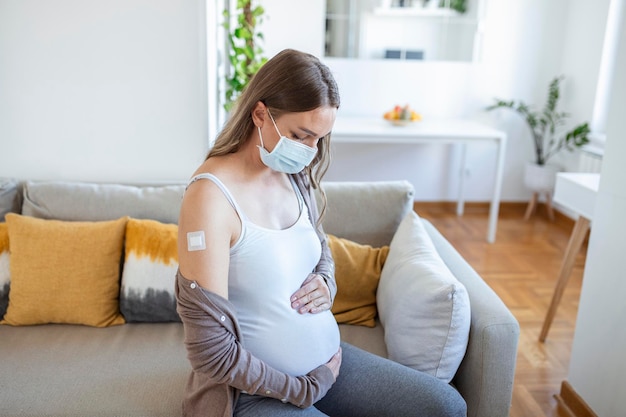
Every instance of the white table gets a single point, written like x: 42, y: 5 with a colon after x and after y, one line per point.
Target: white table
x: 576, y: 192
x: 444, y: 132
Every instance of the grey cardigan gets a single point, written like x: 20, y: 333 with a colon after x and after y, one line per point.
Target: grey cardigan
x: 221, y: 367
x: 326, y: 265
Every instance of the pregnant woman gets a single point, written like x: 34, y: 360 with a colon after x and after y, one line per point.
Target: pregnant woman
x: 256, y: 279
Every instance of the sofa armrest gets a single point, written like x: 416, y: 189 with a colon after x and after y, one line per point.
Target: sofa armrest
x: 485, y: 376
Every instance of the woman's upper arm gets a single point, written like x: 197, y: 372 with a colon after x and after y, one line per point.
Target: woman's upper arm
x: 206, y: 227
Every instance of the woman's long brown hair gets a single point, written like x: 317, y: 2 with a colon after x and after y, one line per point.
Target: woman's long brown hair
x: 290, y: 82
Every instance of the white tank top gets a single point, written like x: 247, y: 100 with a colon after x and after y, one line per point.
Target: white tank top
x: 266, y: 267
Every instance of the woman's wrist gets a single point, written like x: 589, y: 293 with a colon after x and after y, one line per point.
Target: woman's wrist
x: 326, y: 278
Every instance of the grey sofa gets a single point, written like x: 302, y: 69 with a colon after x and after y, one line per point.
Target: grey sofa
x: 140, y: 369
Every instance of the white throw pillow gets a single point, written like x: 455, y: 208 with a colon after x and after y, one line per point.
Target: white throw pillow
x: 423, y: 308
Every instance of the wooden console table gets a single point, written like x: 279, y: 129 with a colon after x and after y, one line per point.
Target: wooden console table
x: 443, y: 132
x: 576, y: 192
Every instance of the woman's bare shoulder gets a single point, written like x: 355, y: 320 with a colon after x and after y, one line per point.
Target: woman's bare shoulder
x: 204, y: 190
x: 204, y: 200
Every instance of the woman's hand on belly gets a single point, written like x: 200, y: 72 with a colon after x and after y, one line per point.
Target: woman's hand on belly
x: 313, y: 296
x: 334, y: 363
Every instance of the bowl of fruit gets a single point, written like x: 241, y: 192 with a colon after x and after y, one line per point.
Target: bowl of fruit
x: 402, y: 116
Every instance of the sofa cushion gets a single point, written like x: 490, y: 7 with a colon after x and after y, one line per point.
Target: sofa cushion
x: 138, y: 369
x: 150, y: 264
x: 95, y: 202
x: 371, y: 339
x: 357, y: 272
x: 64, y: 272
x: 366, y: 212
x: 10, y: 197
x: 424, y: 309
x: 5, y: 276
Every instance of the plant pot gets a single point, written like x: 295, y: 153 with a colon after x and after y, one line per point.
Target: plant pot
x: 540, y: 178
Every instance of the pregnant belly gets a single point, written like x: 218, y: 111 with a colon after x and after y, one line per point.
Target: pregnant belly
x: 291, y: 342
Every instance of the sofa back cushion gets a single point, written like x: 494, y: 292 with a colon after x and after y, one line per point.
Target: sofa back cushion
x: 10, y: 197
x: 77, y: 201
x: 366, y: 212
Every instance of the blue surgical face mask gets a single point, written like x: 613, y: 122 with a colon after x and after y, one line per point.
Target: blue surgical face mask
x: 288, y: 155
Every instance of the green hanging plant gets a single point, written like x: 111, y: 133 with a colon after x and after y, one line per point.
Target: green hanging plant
x: 245, y: 55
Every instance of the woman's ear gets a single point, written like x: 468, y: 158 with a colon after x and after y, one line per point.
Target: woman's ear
x: 258, y: 114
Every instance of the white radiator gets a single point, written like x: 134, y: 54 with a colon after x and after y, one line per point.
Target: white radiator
x: 589, y: 161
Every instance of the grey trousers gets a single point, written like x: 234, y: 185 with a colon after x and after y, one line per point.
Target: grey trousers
x: 368, y: 386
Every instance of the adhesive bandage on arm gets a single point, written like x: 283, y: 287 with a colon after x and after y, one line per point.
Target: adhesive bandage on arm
x: 196, y: 241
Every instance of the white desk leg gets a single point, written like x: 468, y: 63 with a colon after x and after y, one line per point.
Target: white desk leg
x: 497, y: 187
x: 460, y: 203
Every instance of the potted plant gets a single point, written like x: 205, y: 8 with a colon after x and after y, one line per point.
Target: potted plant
x: 245, y: 54
x: 458, y: 5
x: 547, y: 138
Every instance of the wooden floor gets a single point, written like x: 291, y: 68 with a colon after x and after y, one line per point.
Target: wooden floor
x: 521, y: 267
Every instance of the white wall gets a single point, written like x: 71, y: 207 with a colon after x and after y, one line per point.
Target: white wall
x: 597, y: 365
x: 294, y: 24
x: 580, y: 64
x: 371, y: 87
x: 102, y: 90
x: 581, y: 55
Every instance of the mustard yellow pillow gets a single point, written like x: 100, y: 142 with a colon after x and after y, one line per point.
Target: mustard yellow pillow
x: 64, y: 272
x: 357, y: 272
